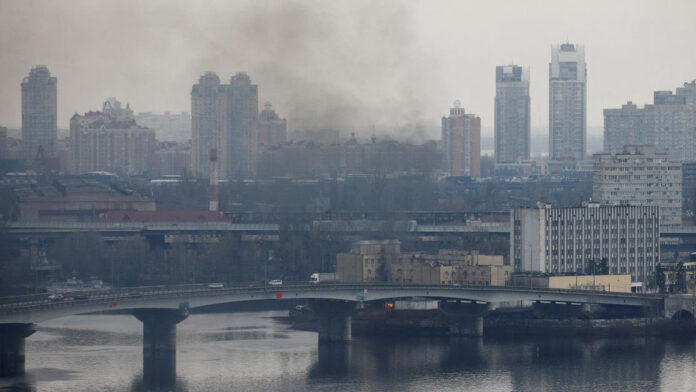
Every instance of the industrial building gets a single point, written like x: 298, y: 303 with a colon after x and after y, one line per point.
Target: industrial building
x: 564, y: 240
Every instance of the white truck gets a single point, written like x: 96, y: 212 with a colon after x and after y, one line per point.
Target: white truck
x: 323, y: 277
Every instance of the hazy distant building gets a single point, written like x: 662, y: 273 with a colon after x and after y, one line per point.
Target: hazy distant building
x: 205, y: 100
x: 273, y: 131
x: 639, y: 176
x: 4, y: 145
x: 39, y: 113
x: 567, y: 102
x: 564, y: 240
x: 168, y: 126
x: 512, y: 114
x: 172, y: 158
x: 461, y: 142
x: 110, y: 141
x: 321, y: 136
x: 239, y: 130
x: 669, y: 124
x: 312, y: 161
x: 225, y: 117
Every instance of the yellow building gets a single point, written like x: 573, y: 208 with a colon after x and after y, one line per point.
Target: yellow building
x: 611, y: 283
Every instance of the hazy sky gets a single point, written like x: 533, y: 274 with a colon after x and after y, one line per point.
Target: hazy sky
x: 341, y: 63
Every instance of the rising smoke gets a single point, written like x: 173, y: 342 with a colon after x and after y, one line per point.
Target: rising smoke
x: 329, y: 64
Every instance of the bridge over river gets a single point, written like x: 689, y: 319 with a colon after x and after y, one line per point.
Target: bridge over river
x: 161, y: 308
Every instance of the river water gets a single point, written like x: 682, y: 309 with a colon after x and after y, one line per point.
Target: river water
x: 258, y: 352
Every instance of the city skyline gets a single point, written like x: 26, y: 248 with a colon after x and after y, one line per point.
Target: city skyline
x: 429, y: 75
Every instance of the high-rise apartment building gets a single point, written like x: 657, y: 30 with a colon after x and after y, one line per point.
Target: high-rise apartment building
x: 567, y: 102
x: 566, y: 240
x: 639, y: 176
x: 273, y: 131
x: 39, y: 113
x: 461, y: 142
x: 225, y: 118
x: 111, y: 141
x: 512, y: 114
x: 205, y: 102
x: 239, y: 128
x: 669, y: 124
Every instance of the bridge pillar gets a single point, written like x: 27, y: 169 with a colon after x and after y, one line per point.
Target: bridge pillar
x: 159, y: 344
x: 12, y: 337
x: 334, y: 320
x: 464, y: 319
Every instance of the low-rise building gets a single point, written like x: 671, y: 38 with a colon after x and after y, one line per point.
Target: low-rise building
x: 611, y: 283
x: 450, y: 267
x: 75, y: 199
x: 367, y: 260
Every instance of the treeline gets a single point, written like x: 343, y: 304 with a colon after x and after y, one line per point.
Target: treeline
x: 138, y: 261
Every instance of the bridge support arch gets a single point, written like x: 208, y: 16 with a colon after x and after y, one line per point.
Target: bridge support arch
x: 159, y: 344
x: 12, y: 358
x: 334, y: 320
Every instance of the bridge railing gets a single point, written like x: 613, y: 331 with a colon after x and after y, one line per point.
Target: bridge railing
x: 41, y: 301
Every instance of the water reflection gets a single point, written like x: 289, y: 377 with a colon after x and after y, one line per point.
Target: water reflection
x: 333, y: 360
x: 157, y: 384
x: 254, y: 352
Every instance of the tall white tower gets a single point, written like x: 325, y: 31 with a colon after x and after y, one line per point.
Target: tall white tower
x: 567, y: 102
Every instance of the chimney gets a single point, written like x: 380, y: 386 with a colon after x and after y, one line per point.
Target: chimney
x: 213, y: 180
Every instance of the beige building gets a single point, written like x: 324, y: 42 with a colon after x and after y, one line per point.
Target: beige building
x: 450, y: 267
x: 367, y: 260
x: 612, y: 283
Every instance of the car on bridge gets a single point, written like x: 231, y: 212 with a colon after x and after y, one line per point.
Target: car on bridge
x: 56, y: 297
x: 216, y: 285
x: 275, y: 282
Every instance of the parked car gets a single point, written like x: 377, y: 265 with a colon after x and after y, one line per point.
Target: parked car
x: 216, y: 285
x: 56, y: 297
x: 275, y: 282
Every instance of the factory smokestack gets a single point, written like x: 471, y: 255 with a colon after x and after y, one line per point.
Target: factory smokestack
x: 213, y: 180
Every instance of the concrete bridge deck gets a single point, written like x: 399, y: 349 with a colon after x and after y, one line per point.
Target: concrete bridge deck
x: 37, y: 308
x: 161, y: 308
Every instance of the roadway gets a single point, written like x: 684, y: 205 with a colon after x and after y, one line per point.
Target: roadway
x: 37, y: 308
x: 26, y: 228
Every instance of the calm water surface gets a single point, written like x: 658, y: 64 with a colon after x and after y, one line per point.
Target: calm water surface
x: 256, y: 352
